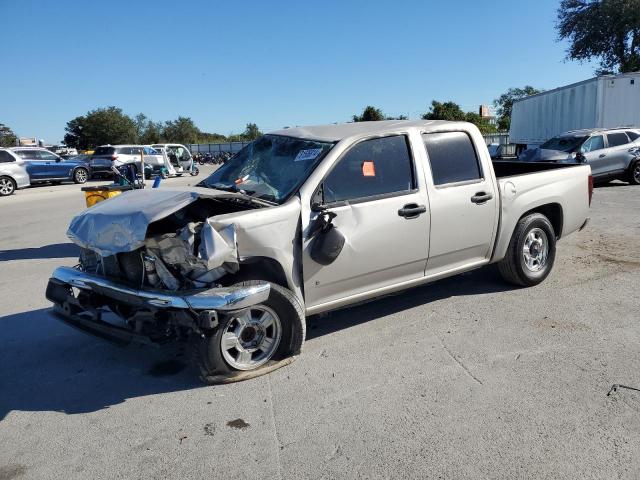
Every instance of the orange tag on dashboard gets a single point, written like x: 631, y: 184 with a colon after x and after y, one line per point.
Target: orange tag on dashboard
x: 368, y: 168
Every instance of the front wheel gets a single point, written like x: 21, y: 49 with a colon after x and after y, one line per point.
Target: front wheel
x: 634, y: 173
x: 252, y: 341
x: 531, y: 252
x: 195, y: 172
x: 81, y: 175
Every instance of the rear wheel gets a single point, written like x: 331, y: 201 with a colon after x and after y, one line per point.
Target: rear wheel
x: 531, y: 252
x: 7, y: 186
x: 81, y: 175
x: 251, y: 341
x: 634, y: 173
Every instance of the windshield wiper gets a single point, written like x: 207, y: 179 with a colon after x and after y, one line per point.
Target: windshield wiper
x: 246, y: 194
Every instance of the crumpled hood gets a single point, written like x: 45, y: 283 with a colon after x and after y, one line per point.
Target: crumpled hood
x: 120, y: 224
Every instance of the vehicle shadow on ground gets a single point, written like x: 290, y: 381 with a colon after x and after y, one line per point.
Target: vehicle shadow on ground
x: 55, y: 250
x: 47, y: 366
x: 485, y: 280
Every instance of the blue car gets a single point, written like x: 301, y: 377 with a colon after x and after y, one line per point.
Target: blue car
x: 45, y: 166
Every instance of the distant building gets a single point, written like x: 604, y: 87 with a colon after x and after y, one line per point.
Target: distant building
x: 486, y: 114
x: 30, y: 142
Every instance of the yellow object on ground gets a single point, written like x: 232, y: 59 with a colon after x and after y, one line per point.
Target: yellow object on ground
x: 93, y: 195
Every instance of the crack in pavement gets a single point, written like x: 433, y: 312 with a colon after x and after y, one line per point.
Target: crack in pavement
x: 459, y: 362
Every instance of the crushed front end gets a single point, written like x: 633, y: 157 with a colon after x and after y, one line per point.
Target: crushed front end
x: 152, y: 268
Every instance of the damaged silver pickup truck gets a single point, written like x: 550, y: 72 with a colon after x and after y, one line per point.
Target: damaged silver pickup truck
x: 305, y: 220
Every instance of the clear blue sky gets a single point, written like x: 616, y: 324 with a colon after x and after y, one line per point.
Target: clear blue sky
x: 275, y: 63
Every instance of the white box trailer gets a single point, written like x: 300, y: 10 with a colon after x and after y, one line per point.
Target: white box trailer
x: 602, y: 102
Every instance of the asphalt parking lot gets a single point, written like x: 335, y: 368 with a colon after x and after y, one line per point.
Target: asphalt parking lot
x: 464, y: 378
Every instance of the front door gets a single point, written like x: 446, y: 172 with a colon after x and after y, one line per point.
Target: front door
x: 595, y: 154
x: 383, y: 216
x: 463, y: 200
x: 54, y: 167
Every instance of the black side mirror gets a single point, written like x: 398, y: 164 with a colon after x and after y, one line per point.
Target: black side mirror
x: 327, y: 241
x: 580, y: 158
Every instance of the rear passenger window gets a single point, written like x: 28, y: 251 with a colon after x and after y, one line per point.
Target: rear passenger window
x: 5, y: 157
x: 452, y: 157
x: 373, y: 167
x: 633, y: 135
x: 617, y: 139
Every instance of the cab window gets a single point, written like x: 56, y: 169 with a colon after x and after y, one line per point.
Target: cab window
x: 452, y: 157
x: 592, y: 144
x: 371, y: 168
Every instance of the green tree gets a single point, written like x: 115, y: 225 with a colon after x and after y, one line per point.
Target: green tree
x: 451, y: 111
x: 483, y: 124
x: 251, y: 132
x: 369, y: 114
x: 445, y: 111
x: 504, y: 104
x: 181, y: 130
x: 147, y: 131
x: 607, y: 30
x: 7, y: 137
x: 99, y: 127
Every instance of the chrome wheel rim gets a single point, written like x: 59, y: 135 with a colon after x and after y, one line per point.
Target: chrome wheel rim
x: 6, y: 186
x: 81, y: 175
x: 251, y: 338
x: 535, y: 250
x: 636, y: 173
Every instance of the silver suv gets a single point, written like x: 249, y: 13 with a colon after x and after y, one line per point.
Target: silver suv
x: 612, y: 153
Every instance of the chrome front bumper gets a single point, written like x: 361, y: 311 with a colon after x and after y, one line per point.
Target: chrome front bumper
x: 227, y: 298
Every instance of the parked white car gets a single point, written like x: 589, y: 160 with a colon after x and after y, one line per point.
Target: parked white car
x: 107, y: 156
x: 13, y: 174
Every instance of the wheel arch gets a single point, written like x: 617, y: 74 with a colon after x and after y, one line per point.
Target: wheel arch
x: 553, y: 211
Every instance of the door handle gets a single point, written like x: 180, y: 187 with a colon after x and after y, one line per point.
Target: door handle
x: 412, y: 210
x: 602, y: 155
x: 481, y: 197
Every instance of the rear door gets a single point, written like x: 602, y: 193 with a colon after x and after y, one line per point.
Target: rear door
x: 617, y: 158
x: 383, y: 215
x: 463, y: 200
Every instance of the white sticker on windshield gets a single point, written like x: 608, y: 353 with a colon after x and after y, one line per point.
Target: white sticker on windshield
x: 304, y: 155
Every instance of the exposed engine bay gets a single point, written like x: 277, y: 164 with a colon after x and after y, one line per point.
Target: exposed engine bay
x: 182, y: 251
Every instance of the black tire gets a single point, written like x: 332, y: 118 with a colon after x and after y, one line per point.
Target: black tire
x: 207, y: 356
x: 80, y: 175
x: 634, y: 173
x: 7, y: 186
x: 513, y: 267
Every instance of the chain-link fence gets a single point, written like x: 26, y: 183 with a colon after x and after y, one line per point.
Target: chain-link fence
x: 232, y: 147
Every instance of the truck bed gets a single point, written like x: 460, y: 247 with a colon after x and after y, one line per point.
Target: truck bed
x: 507, y: 168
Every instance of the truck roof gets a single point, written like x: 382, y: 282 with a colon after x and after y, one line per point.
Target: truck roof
x: 339, y: 131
